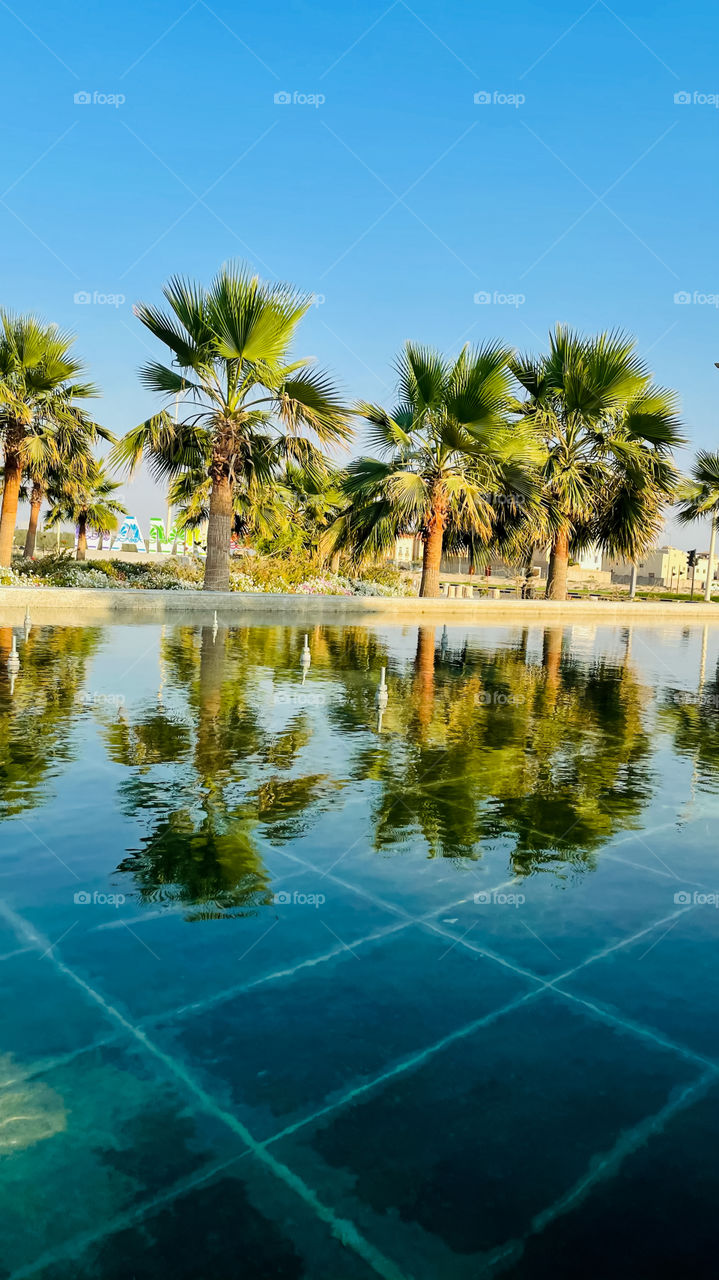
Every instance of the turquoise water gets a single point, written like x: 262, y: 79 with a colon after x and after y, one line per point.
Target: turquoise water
x: 296, y: 986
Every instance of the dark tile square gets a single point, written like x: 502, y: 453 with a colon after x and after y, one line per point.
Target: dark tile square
x: 287, y: 1047
x: 43, y: 1013
x: 242, y: 1222
x: 161, y: 961
x: 445, y: 1164
x: 656, y: 1216
x: 550, y: 924
x: 668, y: 979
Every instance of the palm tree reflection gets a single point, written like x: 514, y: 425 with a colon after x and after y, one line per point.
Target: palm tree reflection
x: 478, y: 743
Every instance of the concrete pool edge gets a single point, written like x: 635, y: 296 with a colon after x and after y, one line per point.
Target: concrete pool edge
x: 101, y: 604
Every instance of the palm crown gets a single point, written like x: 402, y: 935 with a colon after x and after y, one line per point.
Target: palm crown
x: 242, y: 397
x: 607, y: 433
x: 447, y: 449
x: 86, y: 498
x: 40, y: 423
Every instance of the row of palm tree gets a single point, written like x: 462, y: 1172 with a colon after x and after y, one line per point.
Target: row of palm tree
x: 493, y: 452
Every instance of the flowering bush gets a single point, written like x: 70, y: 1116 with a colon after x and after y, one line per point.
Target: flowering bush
x: 11, y: 578
x: 324, y: 587
x: 268, y: 575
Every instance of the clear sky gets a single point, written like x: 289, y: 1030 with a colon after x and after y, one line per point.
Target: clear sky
x: 581, y: 191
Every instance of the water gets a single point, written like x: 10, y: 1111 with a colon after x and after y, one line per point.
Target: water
x: 293, y: 984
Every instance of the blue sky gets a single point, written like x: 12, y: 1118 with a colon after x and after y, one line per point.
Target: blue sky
x: 581, y: 192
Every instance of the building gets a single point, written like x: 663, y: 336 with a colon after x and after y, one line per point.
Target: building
x: 407, y: 548
x: 662, y: 567
x: 589, y: 561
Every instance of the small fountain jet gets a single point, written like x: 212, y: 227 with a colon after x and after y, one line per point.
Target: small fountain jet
x: 305, y: 659
x: 13, y: 662
x: 381, y: 699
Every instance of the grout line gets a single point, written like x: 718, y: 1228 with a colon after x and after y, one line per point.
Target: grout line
x: 605, y: 1014
x: 640, y: 866
x: 62, y: 1060
x: 220, y: 997
x: 416, y: 1059
x: 543, y: 987
x: 10, y: 955
x: 229, y: 993
x: 342, y: 1228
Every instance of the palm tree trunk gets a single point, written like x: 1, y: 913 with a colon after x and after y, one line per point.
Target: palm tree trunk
x: 81, y: 553
x: 10, y: 497
x: 633, y: 582
x: 558, y: 565
x: 710, y: 565
x: 219, y: 529
x: 429, y: 585
x: 527, y: 573
x: 35, y: 505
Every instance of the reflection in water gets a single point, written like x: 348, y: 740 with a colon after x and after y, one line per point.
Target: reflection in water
x: 693, y: 720
x: 536, y: 741
x: 37, y: 707
x: 553, y: 754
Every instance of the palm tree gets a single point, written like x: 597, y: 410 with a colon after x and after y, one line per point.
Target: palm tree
x: 607, y: 432
x: 38, y: 390
x: 448, y: 450
x: 230, y: 348
x: 86, y: 499
x: 698, y: 498
x: 51, y: 454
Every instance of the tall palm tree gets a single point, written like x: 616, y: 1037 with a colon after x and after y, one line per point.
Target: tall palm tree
x: 241, y: 394
x: 86, y: 499
x: 52, y: 454
x: 698, y: 498
x: 447, y: 449
x: 607, y: 432
x: 38, y: 390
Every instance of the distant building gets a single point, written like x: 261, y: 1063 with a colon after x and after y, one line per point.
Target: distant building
x: 662, y: 567
x: 590, y: 561
x: 407, y: 548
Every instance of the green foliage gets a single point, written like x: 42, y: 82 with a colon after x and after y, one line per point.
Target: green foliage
x: 247, y: 409
x: 607, y: 432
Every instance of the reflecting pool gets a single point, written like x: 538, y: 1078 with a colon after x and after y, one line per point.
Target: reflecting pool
x: 302, y: 980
